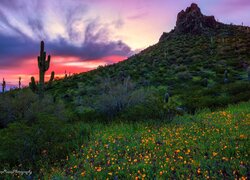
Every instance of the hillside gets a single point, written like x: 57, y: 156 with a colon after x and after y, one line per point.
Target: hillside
x: 174, y: 110
x: 200, y: 59
x: 209, y: 145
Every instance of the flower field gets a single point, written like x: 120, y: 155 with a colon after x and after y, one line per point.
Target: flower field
x: 205, y: 146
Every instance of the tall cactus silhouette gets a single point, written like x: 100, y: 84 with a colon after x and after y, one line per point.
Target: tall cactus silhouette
x: 19, y: 82
x: 43, y: 65
x: 3, y: 86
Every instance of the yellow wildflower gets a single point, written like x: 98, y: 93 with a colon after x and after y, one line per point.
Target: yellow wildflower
x: 83, y: 173
x: 215, y: 154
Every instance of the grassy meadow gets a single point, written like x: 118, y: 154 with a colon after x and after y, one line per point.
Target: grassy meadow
x: 209, y: 145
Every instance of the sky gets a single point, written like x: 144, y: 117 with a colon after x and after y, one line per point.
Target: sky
x: 81, y: 35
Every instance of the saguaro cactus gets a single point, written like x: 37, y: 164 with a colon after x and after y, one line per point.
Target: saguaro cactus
x: 19, y: 82
x: 43, y: 65
x: 65, y: 74
x: 3, y: 85
x: 166, y: 99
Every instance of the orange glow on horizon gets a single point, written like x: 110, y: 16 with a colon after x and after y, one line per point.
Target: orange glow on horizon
x: 58, y: 64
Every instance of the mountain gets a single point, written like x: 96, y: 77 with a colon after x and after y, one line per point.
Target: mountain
x: 202, y: 62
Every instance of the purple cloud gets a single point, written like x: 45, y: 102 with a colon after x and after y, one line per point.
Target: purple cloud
x: 95, y: 41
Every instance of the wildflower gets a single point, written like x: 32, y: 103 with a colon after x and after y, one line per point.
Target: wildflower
x: 242, y: 136
x: 161, y: 173
x: 180, y: 157
x: 83, y: 173
x: 188, y: 151
x: 215, y: 154
x: 98, y: 169
x: 177, y: 151
x: 110, y: 173
x: 224, y: 158
x: 199, y: 171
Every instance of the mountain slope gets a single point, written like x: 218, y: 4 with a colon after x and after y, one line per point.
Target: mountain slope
x: 201, y: 61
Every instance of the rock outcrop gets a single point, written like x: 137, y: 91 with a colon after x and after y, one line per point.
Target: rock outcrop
x: 192, y: 21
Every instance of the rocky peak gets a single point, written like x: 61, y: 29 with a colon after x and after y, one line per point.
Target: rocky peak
x: 193, y: 21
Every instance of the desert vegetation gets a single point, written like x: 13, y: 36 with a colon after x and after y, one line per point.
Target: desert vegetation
x: 177, y: 110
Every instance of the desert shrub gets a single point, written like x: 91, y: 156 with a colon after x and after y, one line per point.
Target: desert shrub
x: 13, y: 106
x: 153, y: 107
x: 86, y: 113
x: 26, y: 106
x: 38, y: 145
x: 44, y: 107
x: 181, y: 68
x: 184, y: 75
x: 116, y: 97
x: 23, y: 144
x: 236, y: 88
x: 196, y: 102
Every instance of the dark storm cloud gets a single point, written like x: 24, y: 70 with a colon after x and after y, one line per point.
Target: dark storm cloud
x: 14, y: 50
x: 17, y: 46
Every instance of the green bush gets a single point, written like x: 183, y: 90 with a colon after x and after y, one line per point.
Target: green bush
x: 14, y: 105
x: 46, y: 106
x: 42, y: 144
x: 153, y: 108
x: 24, y: 144
x: 184, y: 75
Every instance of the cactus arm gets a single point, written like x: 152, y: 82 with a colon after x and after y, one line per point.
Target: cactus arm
x: 50, y: 80
x: 52, y: 76
x: 47, y: 63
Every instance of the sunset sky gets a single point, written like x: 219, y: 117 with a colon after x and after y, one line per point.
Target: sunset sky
x: 82, y: 34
